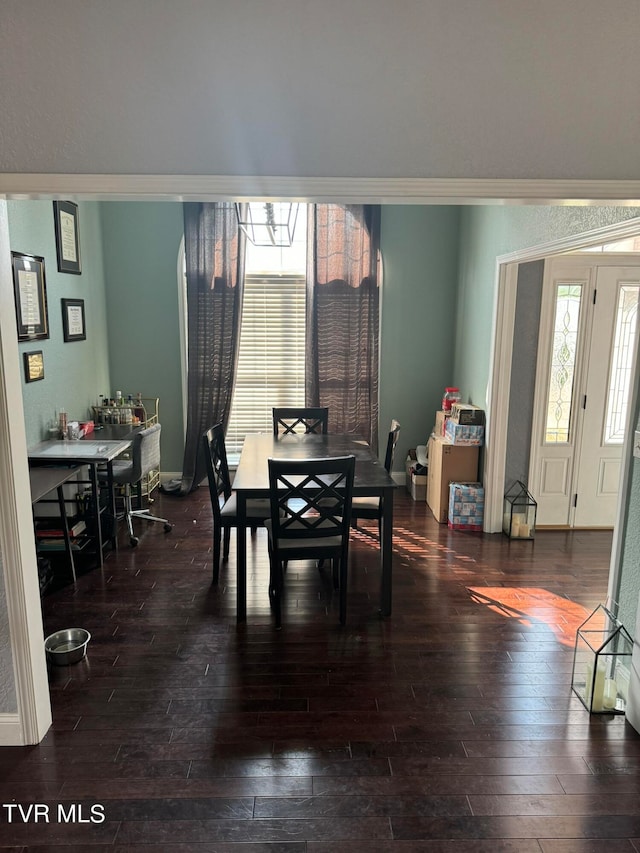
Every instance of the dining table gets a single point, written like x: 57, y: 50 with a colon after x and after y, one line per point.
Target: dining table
x: 371, y: 479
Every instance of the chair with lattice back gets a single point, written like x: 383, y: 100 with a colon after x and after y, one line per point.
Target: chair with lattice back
x: 223, y: 500
x: 364, y: 507
x: 310, y: 519
x: 288, y: 420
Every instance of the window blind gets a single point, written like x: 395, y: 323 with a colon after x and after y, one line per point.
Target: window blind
x: 271, y: 357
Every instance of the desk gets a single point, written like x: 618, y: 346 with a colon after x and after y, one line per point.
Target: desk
x: 91, y: 453
x: 45, y: 480
x: 252, y: 481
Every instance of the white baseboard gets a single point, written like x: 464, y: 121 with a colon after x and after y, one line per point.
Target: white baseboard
x: 11, y: 733
x: 165, y: 476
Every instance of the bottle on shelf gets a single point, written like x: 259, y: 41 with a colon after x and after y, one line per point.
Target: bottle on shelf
x: 139, y: 410
x: 62, y: 423
x: 451, y: 395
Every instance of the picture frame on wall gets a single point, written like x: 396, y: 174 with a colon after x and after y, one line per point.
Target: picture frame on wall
x: 30, y: 294
x: 33, y: 366
x: 67, y: 236
x: 73, y: 325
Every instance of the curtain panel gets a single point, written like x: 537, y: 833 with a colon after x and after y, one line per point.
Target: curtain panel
x: 214, y: 254
x: 343, y: 316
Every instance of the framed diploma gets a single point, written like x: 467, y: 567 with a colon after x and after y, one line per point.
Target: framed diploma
x: 67, y: 236
x: 30, y: 294
x: 73, y: 326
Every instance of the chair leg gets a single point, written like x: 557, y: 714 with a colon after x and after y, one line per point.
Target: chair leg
x: 227, y: 540
x: 343, y: 591
x: 217, y: 536
x: 275, y: 591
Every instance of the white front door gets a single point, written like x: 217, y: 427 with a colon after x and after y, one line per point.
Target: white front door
x: 586, y: 354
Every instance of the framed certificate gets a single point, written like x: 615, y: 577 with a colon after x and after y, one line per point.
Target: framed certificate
x: 67, y: 236
x: 73, y: 326
x: 30, y: 294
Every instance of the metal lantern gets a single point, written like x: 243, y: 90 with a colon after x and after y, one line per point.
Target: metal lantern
x: 519, y: 513
x: 602, y: 663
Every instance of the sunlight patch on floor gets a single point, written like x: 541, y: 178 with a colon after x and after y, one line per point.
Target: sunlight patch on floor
x: 530, y: 605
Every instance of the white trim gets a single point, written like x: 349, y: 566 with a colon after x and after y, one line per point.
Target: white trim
x: 498, y: 395
x: 324, y: 189
x: 627, y: 462
x: 16, y: 528
x: 10, y: 730
x: 575, y: 242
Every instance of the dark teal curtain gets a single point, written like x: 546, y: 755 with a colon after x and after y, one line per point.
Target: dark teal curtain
x: 343, y: 316
x: 214, y: 253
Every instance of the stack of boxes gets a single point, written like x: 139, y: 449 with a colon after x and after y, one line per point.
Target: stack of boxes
x: 416, y: 473
x: 454, y: 494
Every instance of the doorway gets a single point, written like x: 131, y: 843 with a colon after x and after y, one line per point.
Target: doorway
x: 585, y: 363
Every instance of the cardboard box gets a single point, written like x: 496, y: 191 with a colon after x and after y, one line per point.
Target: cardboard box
x: 416, y: 483
x: 466, y: 506
x: 448, y: 463
x: 463, y: 434
x: 441, y: 419
x: 419, y: 487
x: 465, y: 413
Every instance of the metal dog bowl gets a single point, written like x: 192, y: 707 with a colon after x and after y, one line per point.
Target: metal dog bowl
x: 68, y: 646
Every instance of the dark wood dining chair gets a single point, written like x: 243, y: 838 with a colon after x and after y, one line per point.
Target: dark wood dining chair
x: 288, y: 420
x: 364, y: 507
x: 223, y: 500
x: 310, y: 520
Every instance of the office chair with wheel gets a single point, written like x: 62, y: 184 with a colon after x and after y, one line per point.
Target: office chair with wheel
x: 310, y: 517
x: 372, y: 507
x: 223, y: 500
x: 145, y: 457
x: 288, y: 420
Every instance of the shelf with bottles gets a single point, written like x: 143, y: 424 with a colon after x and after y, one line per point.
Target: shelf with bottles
x: 130, y: 409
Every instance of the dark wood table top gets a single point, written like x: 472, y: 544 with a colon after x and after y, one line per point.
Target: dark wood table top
x: 252, y: 474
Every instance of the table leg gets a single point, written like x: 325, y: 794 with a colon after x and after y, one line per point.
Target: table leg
x: 65, y: 530
x: 95, y: 496
x: 112, y: 507
x: 241, y: 558
x: 386, y: 553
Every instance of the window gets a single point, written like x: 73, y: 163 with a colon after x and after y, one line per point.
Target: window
x: 563, y: 363
x: 271, y: 358
x: 621, y: 367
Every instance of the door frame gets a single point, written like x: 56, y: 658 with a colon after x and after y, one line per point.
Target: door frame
x: 500, y: 380
x: 33, y: 715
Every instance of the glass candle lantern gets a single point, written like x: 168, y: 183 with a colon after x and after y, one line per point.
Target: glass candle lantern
x: 519, y: 512
x: 602, y: 663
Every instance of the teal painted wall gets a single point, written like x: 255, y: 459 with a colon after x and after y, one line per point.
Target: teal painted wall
x: 419, y: 248
x: 141, y: 241
x: 485, y: 233
x: 74, y: 373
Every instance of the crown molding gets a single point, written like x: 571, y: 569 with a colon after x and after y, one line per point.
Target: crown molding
x: 317, y: 189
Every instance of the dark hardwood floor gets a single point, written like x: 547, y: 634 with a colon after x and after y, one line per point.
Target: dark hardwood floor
x: 449, y: 727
